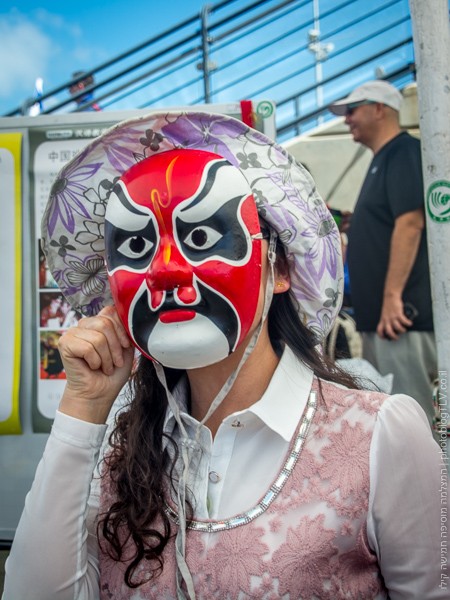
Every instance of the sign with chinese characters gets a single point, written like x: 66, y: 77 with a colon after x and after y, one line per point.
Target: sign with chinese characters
x: 50, y: 148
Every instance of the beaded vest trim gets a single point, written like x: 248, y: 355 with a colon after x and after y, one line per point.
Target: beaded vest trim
x: 275, y: 488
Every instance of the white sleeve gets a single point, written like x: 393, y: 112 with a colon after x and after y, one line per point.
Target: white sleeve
x: 53, y: 554
x: 408, y: 481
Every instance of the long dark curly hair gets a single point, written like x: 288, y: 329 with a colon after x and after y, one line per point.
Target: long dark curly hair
x: 140, y: 468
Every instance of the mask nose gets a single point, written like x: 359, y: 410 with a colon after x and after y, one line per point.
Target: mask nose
x: 170, y: 272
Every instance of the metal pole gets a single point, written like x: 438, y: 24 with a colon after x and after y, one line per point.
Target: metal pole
x: 320, y: 52
x: 431, y: 39
x: 319, y: 91
x: 297, y: 114
x: 205, y: 52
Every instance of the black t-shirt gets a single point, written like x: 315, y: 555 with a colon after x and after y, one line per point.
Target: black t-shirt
x: 393, y: 186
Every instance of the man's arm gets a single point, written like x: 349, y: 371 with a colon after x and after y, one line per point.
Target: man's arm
x: 403, y: 252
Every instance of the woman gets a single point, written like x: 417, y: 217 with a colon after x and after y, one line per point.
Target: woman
x: 242, y: 465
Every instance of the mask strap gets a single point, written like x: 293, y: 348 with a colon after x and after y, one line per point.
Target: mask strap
x: 187, y: 448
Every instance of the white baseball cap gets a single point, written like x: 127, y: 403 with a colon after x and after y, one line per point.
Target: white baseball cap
x: 372, y: 91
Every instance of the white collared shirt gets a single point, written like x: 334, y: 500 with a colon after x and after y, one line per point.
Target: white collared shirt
x: 55, y: 550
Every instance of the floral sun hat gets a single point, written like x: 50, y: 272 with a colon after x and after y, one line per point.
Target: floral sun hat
x: 284, y: 192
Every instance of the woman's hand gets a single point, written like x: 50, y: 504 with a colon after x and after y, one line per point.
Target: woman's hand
x: 97, y: 357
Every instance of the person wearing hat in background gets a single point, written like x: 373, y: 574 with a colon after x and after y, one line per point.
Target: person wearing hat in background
x: 243, y: 463
x: 84, y: 84
x: 387, y: 246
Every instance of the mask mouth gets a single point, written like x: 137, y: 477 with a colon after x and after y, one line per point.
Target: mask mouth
x: 176, y: 315
x: 213, y: 314
x: 171, y: 311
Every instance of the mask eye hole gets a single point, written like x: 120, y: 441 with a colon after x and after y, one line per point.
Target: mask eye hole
x: 202, y: 238
x: 135, y: 247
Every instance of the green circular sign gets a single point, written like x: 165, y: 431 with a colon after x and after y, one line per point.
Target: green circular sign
x: 264, y: 109
x: 438, y: 201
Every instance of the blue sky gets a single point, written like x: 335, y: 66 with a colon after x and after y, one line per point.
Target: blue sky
x: 51, y: 39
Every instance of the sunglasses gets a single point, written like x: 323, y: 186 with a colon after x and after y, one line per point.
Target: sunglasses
x: 350, y: 109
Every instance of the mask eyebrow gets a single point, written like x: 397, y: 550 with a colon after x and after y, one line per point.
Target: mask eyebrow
x: 207, y: 181
x: 122, y: 212
x: 221, y: 183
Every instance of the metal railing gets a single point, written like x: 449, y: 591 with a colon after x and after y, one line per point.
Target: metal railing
x: 263, y: 49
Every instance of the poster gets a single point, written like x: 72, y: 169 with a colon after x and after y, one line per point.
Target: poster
x: 11, y: 280
x: 50, y: 148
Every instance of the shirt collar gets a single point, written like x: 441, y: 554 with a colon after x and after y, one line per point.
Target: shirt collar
x: 285, y: 398
x: 281, y: 405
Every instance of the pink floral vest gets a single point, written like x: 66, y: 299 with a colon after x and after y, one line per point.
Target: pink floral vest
x: 309, y: 543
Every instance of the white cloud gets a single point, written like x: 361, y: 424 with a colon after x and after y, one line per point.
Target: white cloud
x: 25, y: 53
x: 58, y: 22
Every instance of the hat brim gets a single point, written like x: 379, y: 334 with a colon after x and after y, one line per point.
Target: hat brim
x: 284, y: 192
x: 339, y: 108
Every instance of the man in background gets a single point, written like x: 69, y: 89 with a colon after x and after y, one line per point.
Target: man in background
x: 387, y: 246
x: 84, y: 84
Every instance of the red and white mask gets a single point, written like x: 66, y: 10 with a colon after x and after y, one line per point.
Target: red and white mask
x: 183, y: 264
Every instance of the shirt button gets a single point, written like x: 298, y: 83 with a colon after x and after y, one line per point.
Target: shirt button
x: 237, y: 423
x: 214, y: 477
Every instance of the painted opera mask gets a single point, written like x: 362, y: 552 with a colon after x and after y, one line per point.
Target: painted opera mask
x: 184, y: 256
